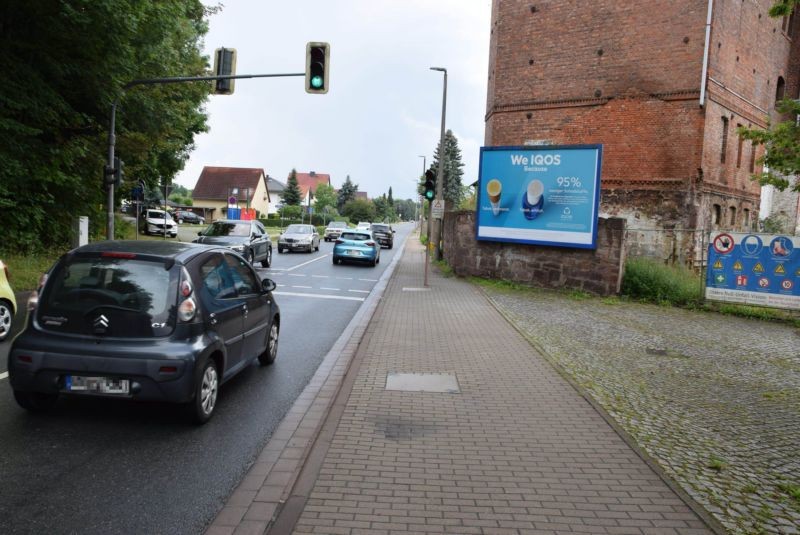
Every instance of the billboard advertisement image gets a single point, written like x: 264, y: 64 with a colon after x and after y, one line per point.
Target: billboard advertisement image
x: 545, y: 195
x: 754, y: 269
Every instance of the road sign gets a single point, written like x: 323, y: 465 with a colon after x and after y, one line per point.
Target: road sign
x: 437, y: 209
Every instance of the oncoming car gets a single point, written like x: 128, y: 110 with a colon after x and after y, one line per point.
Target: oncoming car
x: 248, y: 238
x: 299, y: 238
x: 144, y: 320
x: 334, y: 230
x: 357, y: 246
x: 158, y: 222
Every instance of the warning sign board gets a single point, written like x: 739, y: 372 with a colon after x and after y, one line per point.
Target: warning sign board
x: 437, y: 209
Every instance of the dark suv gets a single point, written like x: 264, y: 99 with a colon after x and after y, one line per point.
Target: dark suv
x: 144, y: 320
x: 383, y: 234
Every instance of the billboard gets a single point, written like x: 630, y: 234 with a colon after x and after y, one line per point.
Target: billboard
x: 545, y: 195
x: 754, y: 269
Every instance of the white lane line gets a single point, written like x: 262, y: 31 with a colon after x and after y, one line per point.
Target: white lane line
x: 344, y: 278
x: 321, y: 276
x: 331, y: 289
x: 359, y: 291
x: 296, y: 275
x: 320, y: 296
x: 306, y: 263
x: 3, y: 375
x: 305, y: 287
x: 369, y: 280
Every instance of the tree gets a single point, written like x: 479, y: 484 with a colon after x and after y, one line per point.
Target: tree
x: 359, y: 210
x: 324, y: 197
x: 781, y: 141
x: 383, y: 210
x: 291, y: 193
x: 406, y: 209
x: 452, y: 189
x: 389, y: 197
x: 347, y: 193
x: 60, y: 77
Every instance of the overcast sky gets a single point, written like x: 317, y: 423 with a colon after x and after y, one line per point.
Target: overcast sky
x: 384, y: 105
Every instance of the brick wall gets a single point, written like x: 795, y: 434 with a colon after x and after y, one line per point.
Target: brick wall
x: 597, y: 271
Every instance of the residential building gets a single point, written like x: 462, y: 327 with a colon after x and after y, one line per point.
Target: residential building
x: 308, y: 183
x: 240, y: 187
x: 275, y: 188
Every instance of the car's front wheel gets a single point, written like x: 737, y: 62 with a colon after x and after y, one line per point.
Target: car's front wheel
x: 271, y: 352
x: 205, y: 393
x: 6, y: 315
x: 35, y: 401
x: 268, y: 260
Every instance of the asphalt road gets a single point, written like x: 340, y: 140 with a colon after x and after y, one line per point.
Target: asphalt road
x: 107, y: 466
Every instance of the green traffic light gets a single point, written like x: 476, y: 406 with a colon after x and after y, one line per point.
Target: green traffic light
x: 429, y: 194
x: 316, y: 82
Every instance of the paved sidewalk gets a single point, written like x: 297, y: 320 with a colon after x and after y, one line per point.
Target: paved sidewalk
x: 517, y: 450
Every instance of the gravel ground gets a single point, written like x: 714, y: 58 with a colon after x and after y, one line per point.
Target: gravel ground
x: 713, y: 399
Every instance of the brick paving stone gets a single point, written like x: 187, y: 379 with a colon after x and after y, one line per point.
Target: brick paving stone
x: 526, y: 447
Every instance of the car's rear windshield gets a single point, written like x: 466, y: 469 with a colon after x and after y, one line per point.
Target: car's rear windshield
x: 226, y: 228
x: 109, y: 297
x: 158, y: 214
x: 355, y: 236
x: 381, y: 228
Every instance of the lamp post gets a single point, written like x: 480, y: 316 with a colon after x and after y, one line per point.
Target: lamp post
x: 427, y: 246
x: 440, y: 178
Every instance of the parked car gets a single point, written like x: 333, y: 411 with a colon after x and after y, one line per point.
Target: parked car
x: 334, y: 230
x: 248, y: 238
x: 144, y: 320
x: 158, y: 222
x: 299, y: 238
x: 8, y: 305
x: 363, y: 225
x: 383, y: 234
x: 184, y: 216
x: 357, y: 246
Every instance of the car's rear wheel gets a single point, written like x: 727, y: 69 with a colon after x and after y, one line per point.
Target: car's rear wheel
x: 271, y: 352
x: 335, y: 260
x: 205, y: 394
x: 35, y: 401
x: 268, y: 260
x: 6, y: 315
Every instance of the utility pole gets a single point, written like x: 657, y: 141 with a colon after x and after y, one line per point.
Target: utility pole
x: 427, y: 246
x: 440, y: 179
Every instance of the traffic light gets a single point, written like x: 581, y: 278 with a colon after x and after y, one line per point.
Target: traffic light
x: 317, y: 60
x: 224, y: 65
x: 430, y: 184
x: 114, y: 175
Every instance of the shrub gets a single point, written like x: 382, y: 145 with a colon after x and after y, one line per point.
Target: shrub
x: 648, y: 279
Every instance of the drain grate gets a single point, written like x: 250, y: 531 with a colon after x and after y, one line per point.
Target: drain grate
x: 423, y: 382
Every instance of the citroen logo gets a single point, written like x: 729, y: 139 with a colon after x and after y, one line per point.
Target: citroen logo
x: 100, y: 323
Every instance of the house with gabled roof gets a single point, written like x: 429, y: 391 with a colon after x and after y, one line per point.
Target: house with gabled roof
x: 275, y: 188
x: 308, y: 183
x: 220, y: 187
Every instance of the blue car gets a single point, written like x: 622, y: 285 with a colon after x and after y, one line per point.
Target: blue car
x: 357, y: 246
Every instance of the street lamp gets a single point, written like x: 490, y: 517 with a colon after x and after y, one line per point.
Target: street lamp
x: 440, y: 178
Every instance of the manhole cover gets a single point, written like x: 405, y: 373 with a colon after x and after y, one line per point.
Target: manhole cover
x: 423, y: 382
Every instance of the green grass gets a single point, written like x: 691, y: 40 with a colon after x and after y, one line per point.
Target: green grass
x: 792, y: 490
x: 649, y: 280
x: 716, y: 464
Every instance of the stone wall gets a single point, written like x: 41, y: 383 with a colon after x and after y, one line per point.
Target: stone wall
x: 596, y: 271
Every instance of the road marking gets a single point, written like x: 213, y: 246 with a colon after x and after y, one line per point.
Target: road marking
x: 322, y: 276
x: 3, y: 375
x: 359, y: 291
x: 306, y: 287
x: 320, y: 296
x: 296, y: 275
x: 333, y: 289
x: 369, y: 280
x: 306, y: 263
x: 344, y: 278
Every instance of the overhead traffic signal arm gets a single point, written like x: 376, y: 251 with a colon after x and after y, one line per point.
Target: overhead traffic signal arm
x: 224, y: 65
x: 317, y: 67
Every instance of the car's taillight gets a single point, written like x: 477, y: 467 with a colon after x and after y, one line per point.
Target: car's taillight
x: 370, y: 244
x: 187, y: 310
x: 339, y: 241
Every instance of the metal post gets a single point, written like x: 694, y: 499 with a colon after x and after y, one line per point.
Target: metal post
x: 427, y: 243
x: 440, y: 177
x: 112, y: 138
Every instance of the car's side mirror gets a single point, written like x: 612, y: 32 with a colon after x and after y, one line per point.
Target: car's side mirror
x: 200, y: 233
x: 268, y: 285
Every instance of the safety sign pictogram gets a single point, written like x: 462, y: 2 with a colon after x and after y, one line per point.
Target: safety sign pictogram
x: 780, y: 270
x: 718, y: 264
x: 758, y: 268
x: 738, y: 266
x: 723, y: 244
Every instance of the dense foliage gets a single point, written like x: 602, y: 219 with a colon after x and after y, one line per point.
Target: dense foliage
x: 649, y: 280
x: 359, y: 210
x: 325, y: 200
x: 452, y: 189
x: 291, y: 193
x: 64, y: 63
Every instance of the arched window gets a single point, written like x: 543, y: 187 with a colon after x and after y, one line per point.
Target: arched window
x: 717, y: 215
x: 746, y: 221
x: 732, y: 216
x: 779, y: 91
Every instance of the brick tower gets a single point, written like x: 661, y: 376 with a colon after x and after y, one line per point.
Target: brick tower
x: 661, y: 89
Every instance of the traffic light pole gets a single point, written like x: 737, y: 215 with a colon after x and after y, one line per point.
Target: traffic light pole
x: 440, y: 180
x: 153, y: 81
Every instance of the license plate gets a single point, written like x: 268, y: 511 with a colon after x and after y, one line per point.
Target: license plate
x: 354, y: 253
x: 98, y: 385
